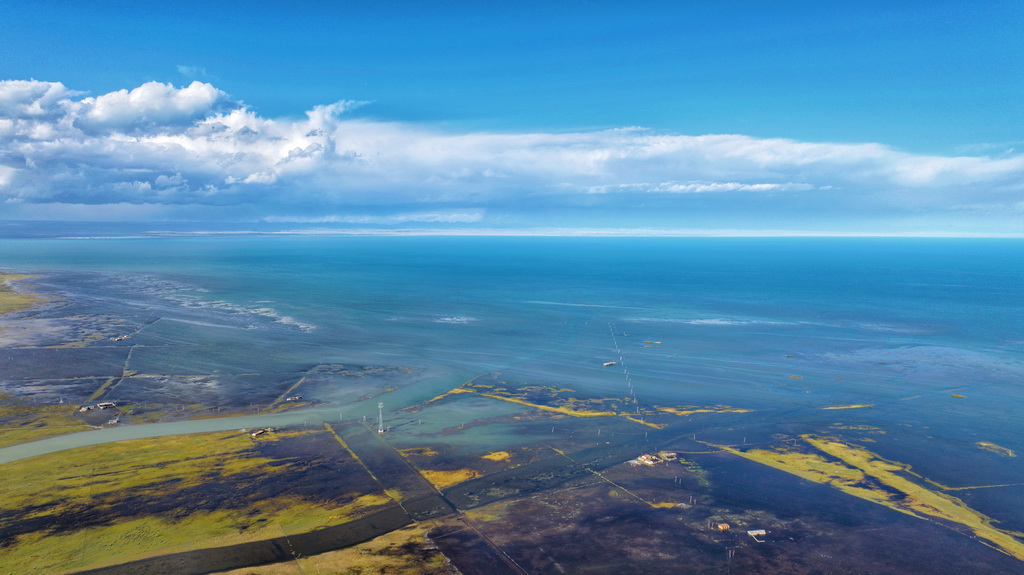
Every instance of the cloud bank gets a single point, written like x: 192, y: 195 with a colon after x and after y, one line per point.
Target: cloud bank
x: 158, y: 151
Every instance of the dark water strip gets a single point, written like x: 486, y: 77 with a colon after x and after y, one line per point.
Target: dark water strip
x: 540, y: 475
x: 390, y: 469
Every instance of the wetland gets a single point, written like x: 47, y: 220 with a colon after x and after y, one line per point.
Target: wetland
x: 235, y: 426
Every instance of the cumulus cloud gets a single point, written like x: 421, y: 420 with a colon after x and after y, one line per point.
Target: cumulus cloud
x: 21, y: 99
x: 160, y: 145
x: 152, y: 107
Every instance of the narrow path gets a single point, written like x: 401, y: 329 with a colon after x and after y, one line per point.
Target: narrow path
x: 114, y: 381
x: 601, y: 476
x: 287, y: 393
x: 498, y: 551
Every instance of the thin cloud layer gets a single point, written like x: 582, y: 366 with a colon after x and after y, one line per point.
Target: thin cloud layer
x: 159, y: 151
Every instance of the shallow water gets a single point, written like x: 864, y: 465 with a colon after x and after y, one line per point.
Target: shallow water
x: 784, y: 327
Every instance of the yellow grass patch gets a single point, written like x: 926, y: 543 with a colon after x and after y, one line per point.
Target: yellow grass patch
x: 11, y: 300
x: 60, y: 477
x: 920, y: 499
x: 95, y: 478
x: 641, y: 421
x: 400, y: 552
x: 149, y: 536
x: 446, y: 478
x: 556, y: 400
x: 686, y: 410
x: 989, y: 446
x: 418, y: 451
x: 859, y: 472
x: 497, y: 456
x: 567, y: 410
x: 810, y: 466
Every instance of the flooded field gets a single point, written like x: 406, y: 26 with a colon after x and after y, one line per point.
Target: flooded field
x: 493, y: 422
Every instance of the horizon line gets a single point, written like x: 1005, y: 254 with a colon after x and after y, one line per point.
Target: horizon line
x: 549, y: 232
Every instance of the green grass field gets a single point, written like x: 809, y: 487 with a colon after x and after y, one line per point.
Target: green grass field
x: 128, y: 500
x: 11, y: 300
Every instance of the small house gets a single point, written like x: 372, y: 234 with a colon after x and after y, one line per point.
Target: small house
x: 648, y: 459
x: 668, y: 455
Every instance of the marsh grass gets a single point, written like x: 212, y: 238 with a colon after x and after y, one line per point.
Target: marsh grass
x: 401, y: 552
x: 11, y: 300
x: 861, y: 473
x: 561, y: 400
x: 497, y: 456
x: 443, y: 478
x: 22, y: 422
x: 118, y: 502
x: 997, y: 449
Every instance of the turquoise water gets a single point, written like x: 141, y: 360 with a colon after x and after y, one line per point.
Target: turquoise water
x: 781, y: 326
x: 945, y: 312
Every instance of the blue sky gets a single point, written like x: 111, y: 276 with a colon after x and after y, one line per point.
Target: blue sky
x: 871, y: 117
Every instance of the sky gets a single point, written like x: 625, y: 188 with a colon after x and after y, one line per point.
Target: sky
x: 657, y: 117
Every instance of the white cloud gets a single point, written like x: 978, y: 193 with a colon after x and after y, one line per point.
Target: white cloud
x: 6, y: 173
x: 31, y: 99
x: 159, y: 145
x: 152, y: 106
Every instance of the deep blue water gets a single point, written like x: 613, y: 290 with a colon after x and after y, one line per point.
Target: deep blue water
x: 961, y: 292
